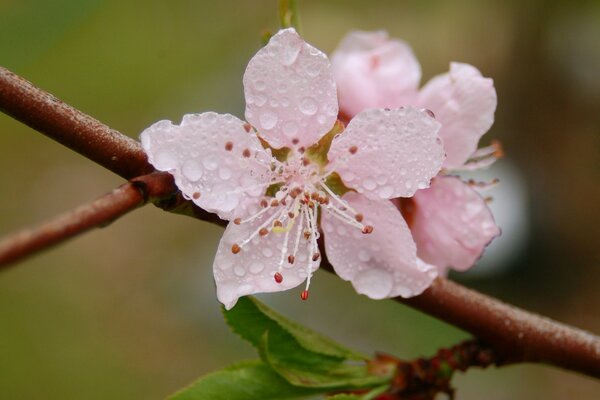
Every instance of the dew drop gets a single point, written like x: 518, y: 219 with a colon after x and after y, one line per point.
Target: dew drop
x: 386, y: 192
x: 408, y: 184
x: 267, y: 252
x: 349, y: 176
x: 422, y: 185
x: 239, y: 271
x: 375, y: 283
x: 260, y: 100
x: 192, y: 170
x: 308, y: 106
x: 364, y: 255
x: 369, y: 184
x: 224, y: 173
x: 165, y: 160
x: 290, y: 128
x: 268, y: 119
x: 256, y: 267
x: 289, y: 53
x: 402, y: 171
x: 259, y: 85
x: 210, y: 163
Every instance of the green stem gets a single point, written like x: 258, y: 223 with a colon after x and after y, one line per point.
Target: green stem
x: 288, y: 14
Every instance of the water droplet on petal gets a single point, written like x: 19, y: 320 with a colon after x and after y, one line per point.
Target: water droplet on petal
x: 422, y: 185
x: 256, y: 267
x: 308, y: 106
x: 375, y: 283
x: 408, y: 184
x: 210, y: 163
x: 165, y: 160
x: 289, y: 53
x: 386, y: 192
x: 239, y: 271
x: 267, y: 252
x: 290, y: 128
x: 192, y: 170
x: 260, y: 85
x: 369, y: 184
x: 268, y: 119
x: 224, y: 173
x: 364, y: 255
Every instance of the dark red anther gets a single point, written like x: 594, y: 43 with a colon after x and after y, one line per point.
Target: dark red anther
x: 367, y: 229
x: 304, y: 295
x: 278, y: 277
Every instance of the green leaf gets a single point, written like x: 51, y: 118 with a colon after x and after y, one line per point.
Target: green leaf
x: 314, y: 370
x: 370, y: 395
x: 251, y: 380
x: 251, y: 319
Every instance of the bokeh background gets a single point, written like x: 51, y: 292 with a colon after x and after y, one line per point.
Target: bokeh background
x: 129, y: 311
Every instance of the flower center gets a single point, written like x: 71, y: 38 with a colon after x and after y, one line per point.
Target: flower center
x: 294, y: 202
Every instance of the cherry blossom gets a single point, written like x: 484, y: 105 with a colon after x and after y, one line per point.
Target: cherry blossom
x: 450, y: 221
x: 292, y: 169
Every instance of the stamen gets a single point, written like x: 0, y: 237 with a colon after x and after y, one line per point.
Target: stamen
x: 367, y: 229
x: 235, y: 248
x: 304, y: 295
x: 196, y: 195
x: 336, y: 198
x: 246, y: 153
x: 278, y: 277
x: 237, y: 221
x: 353, y: 149
x: 229, y: 146
x: 359, y: 217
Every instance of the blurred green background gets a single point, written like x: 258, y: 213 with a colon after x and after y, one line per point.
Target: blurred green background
x: 129, y: 312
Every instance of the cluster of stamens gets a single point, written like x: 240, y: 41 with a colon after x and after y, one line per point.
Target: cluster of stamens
x: 293, y: 213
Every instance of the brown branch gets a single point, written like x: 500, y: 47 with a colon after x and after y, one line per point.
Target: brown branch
x: 98, y: 213
x: 516, y: 335
x: 425, y: 378
x: 74, y: 129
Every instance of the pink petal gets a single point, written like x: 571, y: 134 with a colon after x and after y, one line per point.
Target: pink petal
x: 396, y: 152
x: 252, y: 270
x: 464, y: 102
x: 451, y: 224
x: 196, y: 153
x: 290, y: 91
x: 383, y: 263
x: 372, y: 71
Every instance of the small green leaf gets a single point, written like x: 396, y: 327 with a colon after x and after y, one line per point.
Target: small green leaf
x: 370, y: 395
x: 314, y: 370
x: 345, y: 396
x: 250, y: 319
x: 317, y: 153
x: 251, y: 380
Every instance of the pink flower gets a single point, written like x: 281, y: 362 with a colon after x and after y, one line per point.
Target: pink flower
x: 450, y: 222
x: 286, y: 172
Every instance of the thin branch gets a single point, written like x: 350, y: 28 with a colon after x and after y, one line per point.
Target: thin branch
x: 74, y: 129
x: 516, y: 335
x: 98, y: 213
x: 425, y: 378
